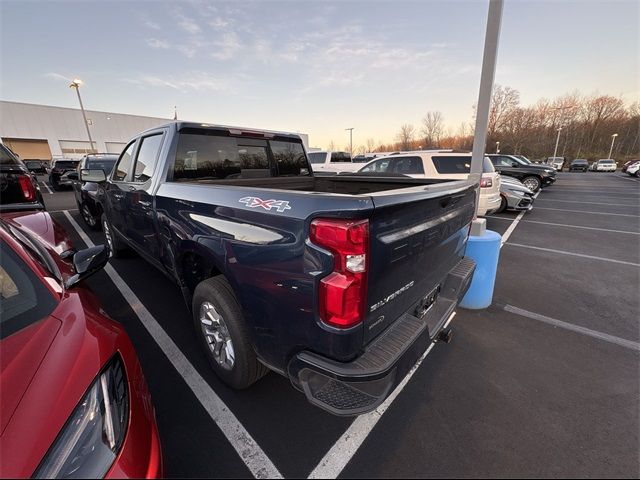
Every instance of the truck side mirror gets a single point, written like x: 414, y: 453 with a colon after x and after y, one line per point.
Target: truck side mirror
x: 73, y: 176
x: 97, y: 176
x: 87, y: 262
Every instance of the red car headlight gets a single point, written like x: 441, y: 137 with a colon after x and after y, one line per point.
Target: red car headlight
x: 90, y: 440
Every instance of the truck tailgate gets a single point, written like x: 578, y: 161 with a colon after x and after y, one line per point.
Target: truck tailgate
x: 417, y: 236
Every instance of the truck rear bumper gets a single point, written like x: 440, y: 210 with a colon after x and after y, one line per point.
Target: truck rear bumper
x: 363, y: 384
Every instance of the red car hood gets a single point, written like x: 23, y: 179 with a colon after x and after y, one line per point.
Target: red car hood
x: 50, y: 233
x: 20, y: 358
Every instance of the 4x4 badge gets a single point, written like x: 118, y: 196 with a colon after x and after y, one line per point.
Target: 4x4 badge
x: 255, y: 202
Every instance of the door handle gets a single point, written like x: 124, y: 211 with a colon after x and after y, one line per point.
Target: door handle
x: 131, y: 188
x: 145, y: 204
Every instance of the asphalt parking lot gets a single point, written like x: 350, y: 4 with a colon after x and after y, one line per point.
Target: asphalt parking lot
x: 544, y: 383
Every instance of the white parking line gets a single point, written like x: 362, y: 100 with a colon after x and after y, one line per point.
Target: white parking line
x: 46, y: 186
x: 569, y: 226
x: 590, y: 203
x: 574, y: 328
x: 584, y: 211
x: 512, y: 227
x: 350, y: 441
x: 61, y: 211
x: 562, y: 252
x: 249, y: 451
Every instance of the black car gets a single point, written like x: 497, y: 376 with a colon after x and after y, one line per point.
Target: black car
x: 19, y: 189
x: 87, y: 194
x: 60, y: 170
x: 579, y: 165
x: 36, y: 166
x: 534, y: 177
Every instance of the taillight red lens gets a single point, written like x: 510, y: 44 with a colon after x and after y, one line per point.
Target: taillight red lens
x: 486, y: 183
x: 343, y: 293
x: 28, y: 190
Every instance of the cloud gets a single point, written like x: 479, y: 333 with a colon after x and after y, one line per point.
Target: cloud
x: 155, y: 43
x: 227, y: 47
x: 57, y: 76
x: 219, y: 23
x: 150, y: 24
x: 188, y: 24
x: 192, y: 81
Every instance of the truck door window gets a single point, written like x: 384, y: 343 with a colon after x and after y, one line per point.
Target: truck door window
x: 290, y: 158
x: 378, y: 166
x: 317, y: 157
x: 147, y: 157
x: 340, y: 157
x: 122, y: 168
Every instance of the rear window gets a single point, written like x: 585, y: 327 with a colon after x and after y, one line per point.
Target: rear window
x: 65, y: 164
x: 317, y: 157
x: 104, y: 164
x: 6, y: 157
x: 340, y: 157
x: 459, y: 164
x: 581, y: 162
x: 213, y: 157
x: 24, y: 298
x: 608, y: 162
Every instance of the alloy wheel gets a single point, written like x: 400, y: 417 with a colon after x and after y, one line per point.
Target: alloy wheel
x: 217, y: 336
x: 86, y: 214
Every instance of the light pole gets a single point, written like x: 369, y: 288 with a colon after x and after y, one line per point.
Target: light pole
x: 497, y: 147
x: 350, y: 140
x: 555, y: 150
x: 76, y: 84
x: 613, y: 139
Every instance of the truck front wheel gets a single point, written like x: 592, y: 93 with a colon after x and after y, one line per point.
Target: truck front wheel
x: 223, y: 334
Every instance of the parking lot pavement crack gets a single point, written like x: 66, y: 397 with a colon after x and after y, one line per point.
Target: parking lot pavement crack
x: 574, y: 328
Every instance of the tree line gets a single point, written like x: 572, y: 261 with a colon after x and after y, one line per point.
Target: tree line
x: 586, y: 124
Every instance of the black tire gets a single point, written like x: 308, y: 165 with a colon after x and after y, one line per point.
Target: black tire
x: 531, y: 179
x: 116, y: 246
x: 246, y: 369
x: 92, y: 221
x: 503, y: 204
x: 55, y: 186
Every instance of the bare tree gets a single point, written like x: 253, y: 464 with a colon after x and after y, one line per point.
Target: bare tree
x: 332, y: 146
x: 371, y: 145
x: 432, y: 125
x: 503, y: 101
x: 406, y: 137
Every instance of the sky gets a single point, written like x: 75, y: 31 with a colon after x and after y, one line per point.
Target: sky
x: 311, y: 67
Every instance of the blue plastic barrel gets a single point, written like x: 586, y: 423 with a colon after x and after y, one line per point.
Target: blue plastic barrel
x: 485, y: 251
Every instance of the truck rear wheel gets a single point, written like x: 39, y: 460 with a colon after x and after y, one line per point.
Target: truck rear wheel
x: 116, y: 247
x: 223, y: 334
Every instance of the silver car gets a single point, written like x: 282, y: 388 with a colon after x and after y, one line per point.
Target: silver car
x: 514, y: 195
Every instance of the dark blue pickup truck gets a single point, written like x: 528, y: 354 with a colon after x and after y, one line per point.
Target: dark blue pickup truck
x: 339, y: 283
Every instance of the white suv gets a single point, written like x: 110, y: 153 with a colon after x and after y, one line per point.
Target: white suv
x: 606, y: 165
x: 450, y: 166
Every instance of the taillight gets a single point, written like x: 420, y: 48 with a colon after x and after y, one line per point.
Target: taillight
x: 28, y: 190
x: 343, y: 293
x: 486, y: 183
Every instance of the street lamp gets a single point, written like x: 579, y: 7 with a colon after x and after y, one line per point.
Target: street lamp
x: 76, y: 84
x: 555, y: 151
x: 497, y: 147
x: 613, y: 139
x: 350, y: 140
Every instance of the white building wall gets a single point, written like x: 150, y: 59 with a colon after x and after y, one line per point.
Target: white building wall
x: 44, y: 122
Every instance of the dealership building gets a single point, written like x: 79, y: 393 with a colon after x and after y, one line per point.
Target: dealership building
x: 44, y: 132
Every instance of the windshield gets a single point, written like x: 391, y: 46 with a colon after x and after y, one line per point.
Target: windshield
x: 579, y: 162
x: 523, y: 158
x: 317, y: 157
x: 606, y: 162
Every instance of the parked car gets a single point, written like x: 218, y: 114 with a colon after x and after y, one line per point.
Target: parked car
x: 74, y: 401
x: 339, y: 282
x: 60, y: 170
x: 37, y: 167
x: 634, y: 169
x: 88, y: 195
x: 628, y: 164
x: 534, y: 177
x: 451, y: 166
x: 592, y: 166
x: 514, y: 195
x: 606, y: 165
x: 333, y: 162
x: 556, y: 162
x: 579, y: 165
x: 523, y: 158
x: 19, y: 189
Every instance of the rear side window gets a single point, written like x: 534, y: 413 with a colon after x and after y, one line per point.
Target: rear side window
x: 65, y: 164
x: 289, y: 158
x: 340, y: 157
x: 6, y: 157
x: 147, y: 157
x: 452, y: 164
x: 24, y: 299
x: 407, y: 165
x: 122, y: 168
